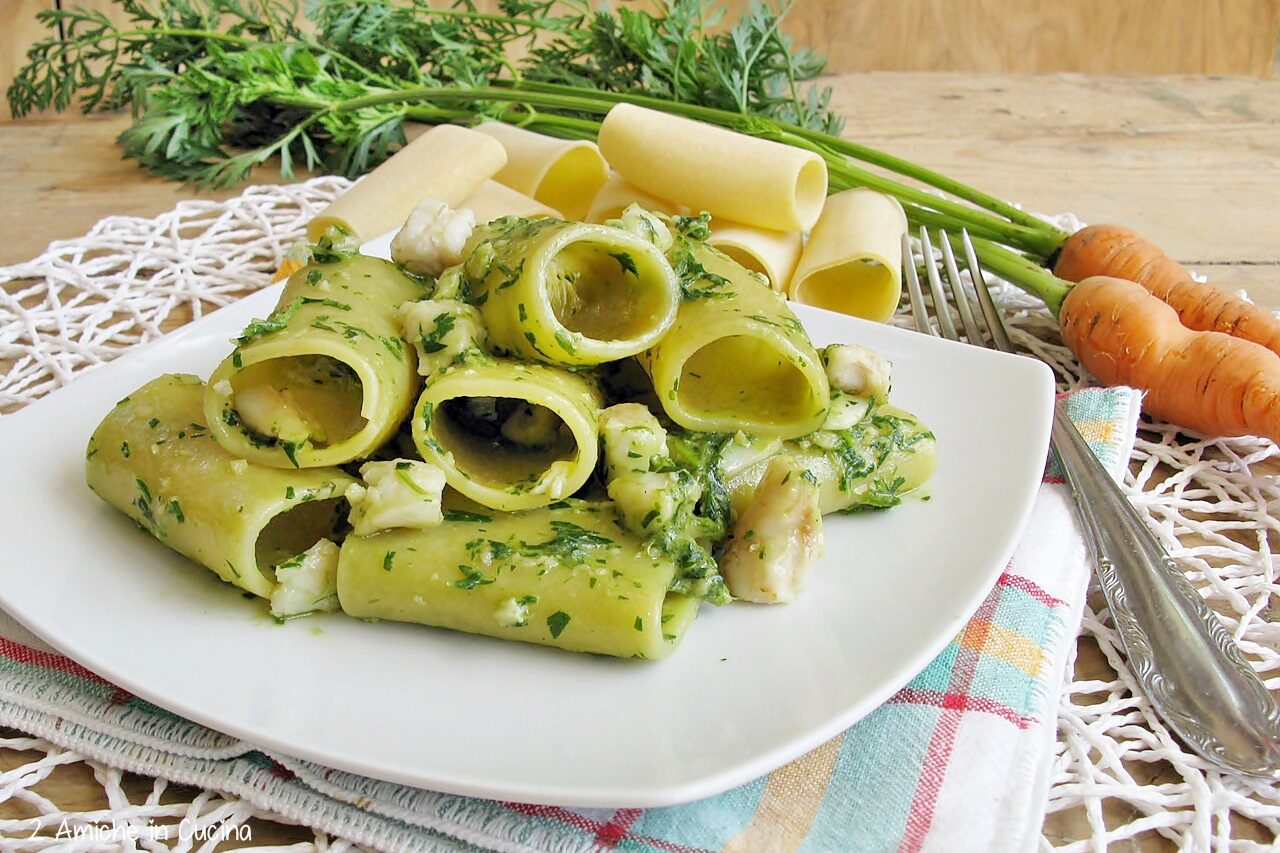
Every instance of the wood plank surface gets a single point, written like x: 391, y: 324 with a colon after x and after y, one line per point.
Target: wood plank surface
x: 1091, y: 36
x: 1192, y: 162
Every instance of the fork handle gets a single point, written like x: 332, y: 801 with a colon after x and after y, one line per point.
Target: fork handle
x: 1188, y: 666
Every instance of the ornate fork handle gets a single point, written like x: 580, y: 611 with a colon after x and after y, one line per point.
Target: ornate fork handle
x: 1187, y: 664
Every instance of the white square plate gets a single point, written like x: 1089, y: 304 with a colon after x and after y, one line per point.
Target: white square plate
x: 750, y: 688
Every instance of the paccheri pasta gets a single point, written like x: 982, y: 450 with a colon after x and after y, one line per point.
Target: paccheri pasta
x: 447, y: 162
x: 742, y: 178
x: 563, y: 174
x: 154, y: 459
x: 618, y: 194
x: 326, y: 378
x: 773, y: 254
x: 550, y: 431
x: 853, y: 260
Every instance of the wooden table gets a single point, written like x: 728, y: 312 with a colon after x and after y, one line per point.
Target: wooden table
x: 1194, y: 163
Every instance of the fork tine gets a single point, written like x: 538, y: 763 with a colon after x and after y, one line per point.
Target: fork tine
x: 964, y: 302
x: 994, y: 324
x: 940, y: 309
x: 918, y: 313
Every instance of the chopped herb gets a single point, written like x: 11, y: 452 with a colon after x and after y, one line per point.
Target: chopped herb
x: 394, y: 346
x: 460, y: 515
x: 124, y: 449
x: 387, y: 560
x: 627, y: 263
x: 314, y: 277
x: 471, y: 579
x: 433, y: 341
x: 153, y: 423
x: 639, y: 624
x: 288, y: 492
x: 556, y: 622
x: 290, y: 449
x: 566, y: 343
x: 649, y: 517
x: 402, y: 471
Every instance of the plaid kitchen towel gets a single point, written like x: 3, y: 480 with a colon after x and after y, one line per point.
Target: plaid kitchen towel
x: 957, y: 760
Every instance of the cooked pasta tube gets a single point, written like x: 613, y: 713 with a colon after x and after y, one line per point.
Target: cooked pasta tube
x: 327, y: 377
x: 565, y: 292
x: 873, y: 464
x: 773, y: 254
x: 736, y: 358
x: 569, y: 577
x: 562, y: 173
x: 742, y: 178
x: 853, y: 260
x: 153, y: 459
x: 493, y: 200
x: 509, y: 435
x: 447, y: 163
x: 618, y: 194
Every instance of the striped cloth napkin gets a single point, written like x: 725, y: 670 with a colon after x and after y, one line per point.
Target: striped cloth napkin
x: 957, y: 760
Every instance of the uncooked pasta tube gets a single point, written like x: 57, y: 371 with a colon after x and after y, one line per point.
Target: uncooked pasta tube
x: 773, y: 254
x: 618, y: 194
x: 853, y: 260
x: 741, y: 178
x: 447, y: 163
x: 493, y: 200
x: 153, y: 459
x: 327, y: 377
x: 564, y: 174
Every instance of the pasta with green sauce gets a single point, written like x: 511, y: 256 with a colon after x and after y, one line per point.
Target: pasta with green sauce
x: 553, y: 432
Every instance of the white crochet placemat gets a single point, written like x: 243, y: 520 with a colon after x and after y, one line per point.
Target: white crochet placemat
x: 1117, y: 769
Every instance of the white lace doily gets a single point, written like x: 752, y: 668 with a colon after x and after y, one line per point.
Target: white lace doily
x: 84, y: 301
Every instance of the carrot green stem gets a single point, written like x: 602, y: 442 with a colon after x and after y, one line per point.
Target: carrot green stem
x: 1053, y: 237
x: 1019, y: 270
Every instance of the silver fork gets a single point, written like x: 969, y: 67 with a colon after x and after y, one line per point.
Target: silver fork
x: 1188, y: 666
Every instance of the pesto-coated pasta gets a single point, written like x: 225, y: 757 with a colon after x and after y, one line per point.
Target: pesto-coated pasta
x: 565, y: 292
x: 327, y: 377
x: 736, y: 358
x: 152, y: 458
x: 567, y: 576
x: 887, y: 454
x: 509, y: 435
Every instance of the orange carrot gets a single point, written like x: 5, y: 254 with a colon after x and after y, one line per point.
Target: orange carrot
x: 287, y: 268
x: 1211, y: 382
x: 1111, y: 250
